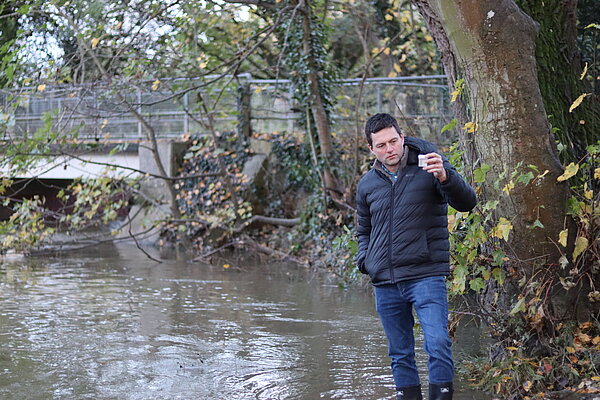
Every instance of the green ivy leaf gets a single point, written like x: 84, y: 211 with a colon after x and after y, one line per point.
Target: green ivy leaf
x: 537, y: 224
x: 449, y: 125
x: 519, y: 307
x: 477, y: 284
x: 499, y: 275
x: 525, y: 178
x: 480, y: 173
x: 573, y: 206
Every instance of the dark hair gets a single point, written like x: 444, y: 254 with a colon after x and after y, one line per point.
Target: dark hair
x: 378, y: 122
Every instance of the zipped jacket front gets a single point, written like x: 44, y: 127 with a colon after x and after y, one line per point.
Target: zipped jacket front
x: 403, y: 225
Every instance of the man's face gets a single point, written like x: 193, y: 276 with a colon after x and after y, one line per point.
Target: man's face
x: 388, y: 146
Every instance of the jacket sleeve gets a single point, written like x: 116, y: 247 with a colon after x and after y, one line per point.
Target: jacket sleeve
x: 363, y: 229
x: 458, y: 193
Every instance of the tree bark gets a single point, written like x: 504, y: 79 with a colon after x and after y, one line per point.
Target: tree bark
x: 557, y: 50
x: 317, y: 107
x: 491, y: 44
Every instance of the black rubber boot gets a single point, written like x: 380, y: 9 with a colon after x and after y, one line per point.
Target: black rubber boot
x: 442, y: 391
x: 409, y: 393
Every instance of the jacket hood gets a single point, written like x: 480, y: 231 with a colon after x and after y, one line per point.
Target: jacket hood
x: 419, y: 145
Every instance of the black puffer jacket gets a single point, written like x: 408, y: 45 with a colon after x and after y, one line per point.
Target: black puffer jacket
x: 403, y: 226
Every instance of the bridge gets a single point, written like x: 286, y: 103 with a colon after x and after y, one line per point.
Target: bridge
x: 104, y: 118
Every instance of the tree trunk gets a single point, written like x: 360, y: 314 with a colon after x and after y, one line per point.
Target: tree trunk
x: 491, y: 44
x: 317, y: 107
x: 556, y: 50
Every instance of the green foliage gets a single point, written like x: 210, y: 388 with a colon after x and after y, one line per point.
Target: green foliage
x: 326, y: 236
x: 473, y: 234
x: 89, y: 203
x: 345, y: 249
x: 208, y: 201
x: 480, y: 264
x: 301, y: 62
x: 25, y: 228
x: 93, y: 203
x: 296, y: 162
x: 556, y: 48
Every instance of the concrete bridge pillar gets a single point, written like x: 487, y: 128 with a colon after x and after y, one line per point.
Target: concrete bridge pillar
x: 170, y: 152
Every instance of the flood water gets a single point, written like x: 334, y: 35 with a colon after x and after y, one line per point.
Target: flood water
x: 112, y: 324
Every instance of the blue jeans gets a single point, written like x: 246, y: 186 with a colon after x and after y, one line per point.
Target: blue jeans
x: 395, y: 307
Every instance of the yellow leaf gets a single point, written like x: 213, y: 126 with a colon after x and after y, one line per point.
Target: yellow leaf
x: 562, y: 237
x: 584, y: 71
x: 597, y: 173
x: 578, y: 101
x: 570, y: 349
x: 95, y: 42
x: 451, y: 221
x: 226, y: 266
x: 584, y: 338
x: 570, y: 171
x: 397, y: 68
x: 392, y: 74
x: 470, y: 127
x: 511, y: 348
x: 595, y: 378
x: 386, y: 51
x: 388, y: 17
x: 454, y: 95
x: 155, y: 84
x: 508, y: 187
x: 428, y: 38
x: 588, y: 194
x: 581, y: 243
x: 502, y: 229
x: 542, y: 175
x: 41, y: 87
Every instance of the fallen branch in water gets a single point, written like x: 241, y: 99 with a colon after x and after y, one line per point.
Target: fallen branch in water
x: 272, y: 252
x: 289, y: 222
x: 248, y: 241
x: 204, y: 257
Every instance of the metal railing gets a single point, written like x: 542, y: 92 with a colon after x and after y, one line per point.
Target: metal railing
x: 172, y: 107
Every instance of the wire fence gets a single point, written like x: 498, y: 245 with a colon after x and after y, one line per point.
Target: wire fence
x: 176, y: 107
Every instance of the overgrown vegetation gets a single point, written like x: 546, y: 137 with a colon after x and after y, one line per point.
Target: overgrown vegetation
x: 549, y: 340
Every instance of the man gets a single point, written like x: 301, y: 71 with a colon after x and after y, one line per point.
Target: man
x: 403, y: 246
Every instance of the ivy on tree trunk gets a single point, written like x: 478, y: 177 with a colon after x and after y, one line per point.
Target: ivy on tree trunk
x: 491, y: 45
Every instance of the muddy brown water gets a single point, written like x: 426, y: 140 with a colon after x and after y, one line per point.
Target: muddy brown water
x: 111, y: 324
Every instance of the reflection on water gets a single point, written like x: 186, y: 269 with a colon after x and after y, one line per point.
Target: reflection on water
x: 114, y: 325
